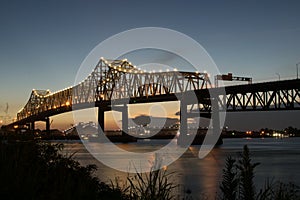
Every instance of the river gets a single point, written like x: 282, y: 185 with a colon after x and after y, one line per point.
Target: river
x: 279, y: 158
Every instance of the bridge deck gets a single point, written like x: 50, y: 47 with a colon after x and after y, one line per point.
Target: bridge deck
x: 275, y: 95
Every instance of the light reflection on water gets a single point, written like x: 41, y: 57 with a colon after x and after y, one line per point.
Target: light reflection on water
x: 279, y: 159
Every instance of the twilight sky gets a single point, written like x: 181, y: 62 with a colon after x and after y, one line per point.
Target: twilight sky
x: 43, y: 43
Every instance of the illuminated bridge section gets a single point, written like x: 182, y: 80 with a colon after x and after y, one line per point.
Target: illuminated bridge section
x: 112, y: 80
x: 120, y: 82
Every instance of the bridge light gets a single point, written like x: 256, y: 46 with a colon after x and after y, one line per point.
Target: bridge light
x: 134, y: 66
x: 16, y: 126
x: 205, y: 71
x: 124, y: 70
x: 67, y: 103
x: 197, y: 72
x: 168, y: 70
x: 175, y: 70
x: 160, y: 70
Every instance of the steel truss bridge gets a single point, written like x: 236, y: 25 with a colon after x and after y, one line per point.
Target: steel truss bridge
x: 118, y: 82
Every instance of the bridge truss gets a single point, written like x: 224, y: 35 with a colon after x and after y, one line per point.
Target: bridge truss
x: 267, y: 96
x: 119, y: 81
x: 113, y: 80
x: 279, y: 95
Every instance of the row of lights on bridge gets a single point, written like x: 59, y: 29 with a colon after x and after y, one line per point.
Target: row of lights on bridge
x: 133, y: 69
x: 54, y: 107
x: 119, y: 68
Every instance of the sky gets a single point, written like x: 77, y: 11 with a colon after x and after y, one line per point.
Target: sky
x: 43, y: 43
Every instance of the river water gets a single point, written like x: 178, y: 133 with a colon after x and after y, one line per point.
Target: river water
x: 279, y: 158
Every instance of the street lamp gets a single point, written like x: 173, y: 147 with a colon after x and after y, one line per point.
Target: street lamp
x: 297, y: 69
x: 278, y: 76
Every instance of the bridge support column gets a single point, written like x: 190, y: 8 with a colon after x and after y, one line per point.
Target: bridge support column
x: 125, y: 120
x: 183, y: 136
x: 101, y: 118
x: 47, y: 125
x: 28, y: 126
x: 32, y: 126
x: 216, y: 121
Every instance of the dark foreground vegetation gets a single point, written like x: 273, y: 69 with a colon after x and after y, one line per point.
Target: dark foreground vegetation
x: 36, y: 170
x: 33, y: 170
x: 238, y: 182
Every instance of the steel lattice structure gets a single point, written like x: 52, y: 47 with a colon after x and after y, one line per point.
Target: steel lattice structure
x: 267, y: 96
x: 113, y: 80
x: 278, y: 95
x: 117, y: 80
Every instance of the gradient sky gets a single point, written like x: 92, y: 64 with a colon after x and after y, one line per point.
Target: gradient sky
x: 42, y: 43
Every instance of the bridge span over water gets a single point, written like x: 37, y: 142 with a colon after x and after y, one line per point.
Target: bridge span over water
x: 114, y: 84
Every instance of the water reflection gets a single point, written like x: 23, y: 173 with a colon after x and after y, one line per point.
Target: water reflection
x: 278, y: 160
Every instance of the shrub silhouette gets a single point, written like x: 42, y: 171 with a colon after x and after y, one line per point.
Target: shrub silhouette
x: 237, y: 182
x: 229, y: 185
x: 31, y: 170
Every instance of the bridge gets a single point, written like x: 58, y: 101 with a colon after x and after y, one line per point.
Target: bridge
x: 113, y: 84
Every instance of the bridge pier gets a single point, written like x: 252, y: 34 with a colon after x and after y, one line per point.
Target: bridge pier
x: 124, y: 138
x: 183, y: 136
x: 216, y: 118
x: 101, y: 118
x: 47, y: 120
x: 32, y: 126
x: 125, y: 120
x: 216, y: 133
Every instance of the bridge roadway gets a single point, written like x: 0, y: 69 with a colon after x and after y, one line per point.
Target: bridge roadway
x: 113, y: 84
x: 267, y: 96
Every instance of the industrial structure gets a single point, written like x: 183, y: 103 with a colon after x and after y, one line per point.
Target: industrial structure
x: 113, y: 84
